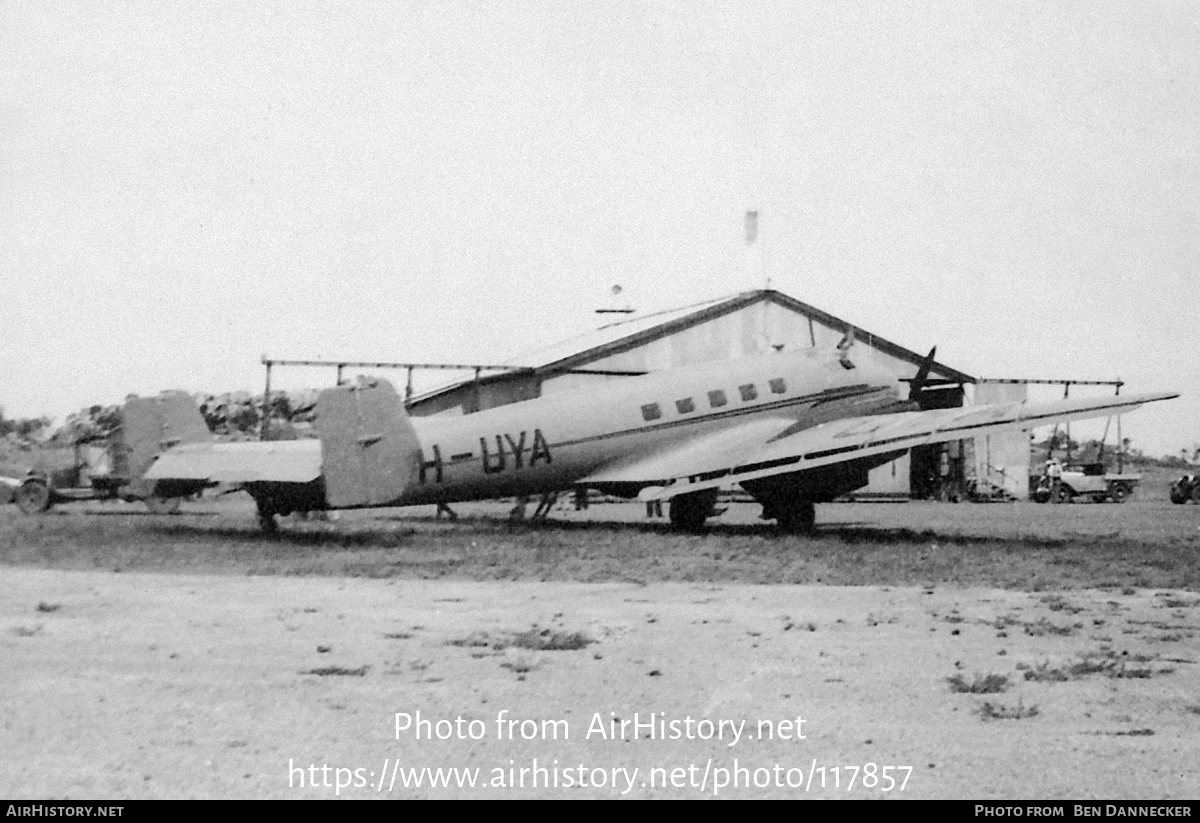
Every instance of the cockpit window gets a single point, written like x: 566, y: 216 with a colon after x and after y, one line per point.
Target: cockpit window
x: 685, y: 405
x: 777, y: 385
x: 651, y: 411
x: 716, y: 398
x: 748, y: 391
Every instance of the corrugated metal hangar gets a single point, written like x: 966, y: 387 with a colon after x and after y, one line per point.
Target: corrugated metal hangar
x: 741, y: 325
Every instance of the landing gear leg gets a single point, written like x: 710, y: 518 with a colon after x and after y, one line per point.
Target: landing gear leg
x: 266, y: 518
x: 543, y: 508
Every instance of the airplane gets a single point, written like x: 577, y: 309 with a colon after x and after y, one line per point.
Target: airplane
x: 792, y: 428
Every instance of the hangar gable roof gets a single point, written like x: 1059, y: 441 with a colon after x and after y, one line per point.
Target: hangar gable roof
x: 614, y: 338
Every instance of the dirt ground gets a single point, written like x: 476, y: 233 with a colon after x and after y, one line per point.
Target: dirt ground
x: 916, y: 650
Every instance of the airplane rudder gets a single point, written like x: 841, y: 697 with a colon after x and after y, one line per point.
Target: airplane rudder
x: 370, y: 454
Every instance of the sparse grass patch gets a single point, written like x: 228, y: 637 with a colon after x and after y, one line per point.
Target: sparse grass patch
x: 338, y: 671
x: 1124, y: 672
x: 1044, y: 627
x: 547, y: 640
x: 982, y: 684
x: 474, y: 640
x: 1091, y: 665
x: 1044, y: 673
x: 535, y: 639
x: 26, y: 631
x: 43, y: 606
x: 1056, y: 603
x: 1108, y: 665
x: 998, y: 711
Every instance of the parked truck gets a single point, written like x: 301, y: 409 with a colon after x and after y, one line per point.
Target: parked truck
x: 1088, y: 481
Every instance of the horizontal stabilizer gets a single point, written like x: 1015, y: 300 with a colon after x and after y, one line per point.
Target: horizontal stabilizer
x: 278, y: 461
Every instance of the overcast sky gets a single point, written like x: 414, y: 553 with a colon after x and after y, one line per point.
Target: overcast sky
x: 187, y: 186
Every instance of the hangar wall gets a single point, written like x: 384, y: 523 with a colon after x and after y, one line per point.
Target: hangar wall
x: 1003, y: 459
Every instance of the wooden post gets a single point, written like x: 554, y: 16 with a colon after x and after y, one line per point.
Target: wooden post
x: 1067, y: 394
x: 262, y: 429
x: 1120, y: 442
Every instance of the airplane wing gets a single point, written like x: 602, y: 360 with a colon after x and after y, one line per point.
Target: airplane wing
x: 697, y: 455
x: 284, y: 461
x: 685, y: 469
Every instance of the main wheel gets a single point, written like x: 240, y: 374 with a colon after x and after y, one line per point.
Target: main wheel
x: 163, y: 505
x: 798, y: 518
x: 266, y: 521
x: 33, y: 497
x: 689, y: 511
x: 1119, y: 493
x: 1065, y: 494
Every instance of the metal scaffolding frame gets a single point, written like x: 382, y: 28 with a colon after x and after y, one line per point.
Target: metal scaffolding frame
x: 1067, y: 384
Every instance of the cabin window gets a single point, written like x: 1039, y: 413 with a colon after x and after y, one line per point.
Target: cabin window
x: 748, y: 391
x: 716, y: 398
x: 777, y: 385
x: 685, y: 405
x: 651, y: 411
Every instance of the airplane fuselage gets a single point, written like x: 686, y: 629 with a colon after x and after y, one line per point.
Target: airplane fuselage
x: 552, y: 443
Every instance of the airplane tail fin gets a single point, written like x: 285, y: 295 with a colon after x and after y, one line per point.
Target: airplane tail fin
x: 150, y: 426
x: 369, y: 450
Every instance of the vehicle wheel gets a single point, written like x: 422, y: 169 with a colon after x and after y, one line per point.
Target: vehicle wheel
x: 1180, y: 491
x: 1196, y: 491
x: 1041, y: 495
x: 689, y: 511
x: 33, y: 497
x: 799, y: 518
x: 163, y: 505
x: 1119, y: 493
x: 1065, y: 494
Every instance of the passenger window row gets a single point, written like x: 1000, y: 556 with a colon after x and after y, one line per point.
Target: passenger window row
x: 716, y: 399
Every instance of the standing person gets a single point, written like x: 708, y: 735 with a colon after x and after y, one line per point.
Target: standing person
x: 1054, y: 473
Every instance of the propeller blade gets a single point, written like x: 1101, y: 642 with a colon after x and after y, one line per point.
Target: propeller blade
x: 916, y: 384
